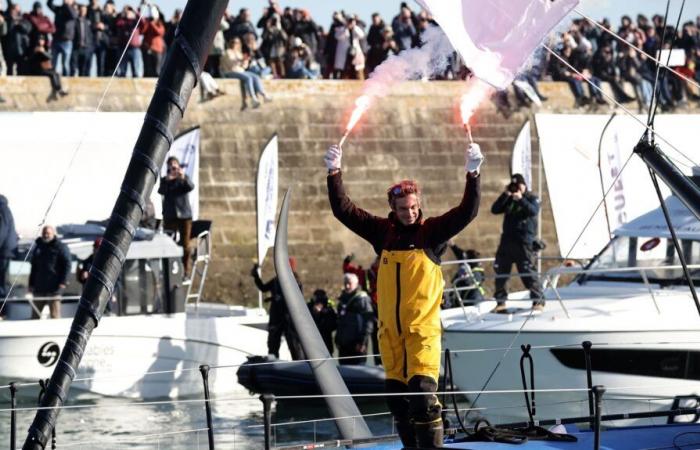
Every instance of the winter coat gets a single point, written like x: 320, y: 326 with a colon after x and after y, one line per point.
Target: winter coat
x: 50, y: 266
x: 176, y: 203
x: 8, y: 235
x: 520, y: 219
x: 355, y: 318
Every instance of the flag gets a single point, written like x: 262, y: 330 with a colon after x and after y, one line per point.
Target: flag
x: 495, y: 38
x: 521, y: 160
x: 611, y: 167
x: 186, y: 149
x: 266, y: 194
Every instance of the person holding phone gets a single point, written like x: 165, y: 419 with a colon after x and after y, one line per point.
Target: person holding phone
x: 177, y: 212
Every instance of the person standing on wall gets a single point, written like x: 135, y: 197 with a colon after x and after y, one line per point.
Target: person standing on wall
x: 409, y: 290
x: 177, y: 212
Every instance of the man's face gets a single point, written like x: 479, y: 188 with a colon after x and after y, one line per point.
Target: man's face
x: 350, y: 284
x: 47, y: 234
x: 522, y: 188
x: 407, y: 209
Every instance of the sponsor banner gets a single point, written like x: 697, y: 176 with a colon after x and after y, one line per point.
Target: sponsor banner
x: 521, y: 160
x: 186, y: 149
x: 569, y: 144
x: 266, y: 192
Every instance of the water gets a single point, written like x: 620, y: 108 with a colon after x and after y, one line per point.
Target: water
x: 91, y: 422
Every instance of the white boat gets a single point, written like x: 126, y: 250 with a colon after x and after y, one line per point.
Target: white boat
x: 630, y: 302
x: 152, y: 344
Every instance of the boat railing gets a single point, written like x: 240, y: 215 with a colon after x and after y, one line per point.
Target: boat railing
x: 200, y: 267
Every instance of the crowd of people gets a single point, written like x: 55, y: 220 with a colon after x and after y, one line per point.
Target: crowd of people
x: 286, y: 42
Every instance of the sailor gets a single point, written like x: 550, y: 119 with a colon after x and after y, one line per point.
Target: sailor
x: 8, y: 242
x: 355, y: 321
x: 470, y: 274
x: 409, y: 290
x: 518, y: 240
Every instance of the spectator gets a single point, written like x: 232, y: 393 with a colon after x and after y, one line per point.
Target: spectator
x: 279, y: 323
x: 113, y: 51
x: 3, y: 33
x: 83, y: 45
x: 213, y: 62
x: 100, y: 36
x: 349, y: 56
x: 469, y: 278
x: 40, y: 64
x: 404, y: 29
x: 306, y: 29
x: 129, y: 37
x: 632, y: 69
x: 324, y: 316
x: 520, y: 208
x: 41, y: 25
x: 275, y: 40
x: 233, y: 65
x: 48, y: 277
x: 355, y: 322
x: 177, y: 212
x: 386, y: 47
x: 209, y: 88
x: 17, y: 46
x: 256, y: 60
x: 301, y: 64
x: 242, y: 25
x: 171, y: 26
x: 65, y: 17
x: 606, y: 69
x: 153, y: 47
x: 8, y: 242
x: 368, y: 282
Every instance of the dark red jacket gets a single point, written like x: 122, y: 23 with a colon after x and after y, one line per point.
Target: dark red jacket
x: 429, y: 234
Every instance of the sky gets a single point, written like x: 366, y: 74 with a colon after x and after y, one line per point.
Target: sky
x: 322, y: 10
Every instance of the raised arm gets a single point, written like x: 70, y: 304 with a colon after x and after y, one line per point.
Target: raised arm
x: 362, y: 223
x: 499, y: 206
x: 442, y: 228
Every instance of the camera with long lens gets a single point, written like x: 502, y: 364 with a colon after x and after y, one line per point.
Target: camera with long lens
x: 513, y: 188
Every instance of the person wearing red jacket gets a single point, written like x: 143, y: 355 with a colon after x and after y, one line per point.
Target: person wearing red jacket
x: 153, y: 47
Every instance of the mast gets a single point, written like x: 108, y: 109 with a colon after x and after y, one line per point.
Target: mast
x: 183, y: 64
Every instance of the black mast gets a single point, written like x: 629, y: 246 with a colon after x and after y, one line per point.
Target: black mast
x: 195, y: 33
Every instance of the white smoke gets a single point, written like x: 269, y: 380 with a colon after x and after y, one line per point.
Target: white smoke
x: 430, y: 59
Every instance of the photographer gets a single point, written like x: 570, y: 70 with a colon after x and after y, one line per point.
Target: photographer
x: 518, y: 241
x: 177, y: 212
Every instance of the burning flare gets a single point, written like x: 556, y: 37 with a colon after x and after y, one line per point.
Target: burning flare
x: 361, y: 105
x: 477, y: 92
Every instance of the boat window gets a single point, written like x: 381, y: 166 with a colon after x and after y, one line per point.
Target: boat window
x: 644, y: 252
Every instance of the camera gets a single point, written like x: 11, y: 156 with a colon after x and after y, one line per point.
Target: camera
x: 513, y: 188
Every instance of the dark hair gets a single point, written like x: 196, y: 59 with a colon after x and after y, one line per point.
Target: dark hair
x: 518, y: 178
x: 171, y: 159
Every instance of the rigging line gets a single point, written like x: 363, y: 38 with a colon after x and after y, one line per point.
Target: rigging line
x: 127, y: 404
x: 652, y: 115
x: 72, y: 159
x: 638, y: 49
x: 133, y: 438
x: 622, y: 107
x: 654, y: 93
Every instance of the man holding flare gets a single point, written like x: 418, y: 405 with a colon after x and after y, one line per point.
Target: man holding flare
x: 409, y: 290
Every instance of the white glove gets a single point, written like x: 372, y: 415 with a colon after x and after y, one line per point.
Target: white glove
x: 333, y: 156
x: 473, y: 158
x: 154, y: 12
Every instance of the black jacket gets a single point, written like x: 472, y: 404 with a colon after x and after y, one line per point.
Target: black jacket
x: 50, y: 266
x: 520, y: 220
x: 355, y: 318
x: 65, y: 20
x: 8, y: 235
x: 176, y: 204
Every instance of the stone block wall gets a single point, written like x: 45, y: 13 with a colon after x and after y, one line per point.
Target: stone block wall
x: 414, y: 132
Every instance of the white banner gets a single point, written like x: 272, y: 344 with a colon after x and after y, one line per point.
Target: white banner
x: 186, y: 149
x: 495, y: 38
x: 521, y: 160
x: 38, y: 152
x: 569, y: 146
x: 266, y: 193
x: 611, y: 171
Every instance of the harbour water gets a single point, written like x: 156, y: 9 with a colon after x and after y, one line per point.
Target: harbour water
x: 90, y: 422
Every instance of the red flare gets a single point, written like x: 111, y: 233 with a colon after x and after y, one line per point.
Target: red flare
x: 477, y: 92
x: 361, y: 105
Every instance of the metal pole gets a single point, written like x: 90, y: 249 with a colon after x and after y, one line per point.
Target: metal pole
x: 204, y: 370
x: 598, y: 391
x: 539, y: 213
x: 589, y: 375
x: 267, y: 400
x: 13, y: 416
